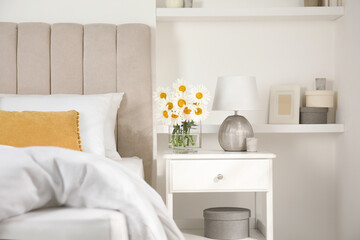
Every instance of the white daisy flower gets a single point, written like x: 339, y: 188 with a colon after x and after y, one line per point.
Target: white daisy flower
x: 176, y: 117
x: 200, y: 95
x: 181, y: 100
x: 200, y: 113
x: 188, y: 112
x: 181, y: 86
x: 184, y: 103
x: 167, y: 105
x: 161, y: 94
x: 164, y: 117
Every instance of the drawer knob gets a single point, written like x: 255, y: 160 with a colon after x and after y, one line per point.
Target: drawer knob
x: 220, y: 177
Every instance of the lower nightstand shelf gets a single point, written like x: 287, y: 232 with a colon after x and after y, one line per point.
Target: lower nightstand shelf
x: 198, y: 234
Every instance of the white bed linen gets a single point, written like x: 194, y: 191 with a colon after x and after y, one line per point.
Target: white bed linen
x: 38, y: 177
x: 72, y: 223
x: 134, y: 164
x: 66, y: 224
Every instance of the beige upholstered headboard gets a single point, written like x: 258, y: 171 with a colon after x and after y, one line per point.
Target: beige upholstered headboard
x: 39, y: 58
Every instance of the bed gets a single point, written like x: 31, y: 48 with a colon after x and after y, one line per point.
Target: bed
x: 69, y: 58
x: 72, y: 223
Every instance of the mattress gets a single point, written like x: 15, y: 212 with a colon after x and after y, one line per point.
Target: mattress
x: 66, y: 224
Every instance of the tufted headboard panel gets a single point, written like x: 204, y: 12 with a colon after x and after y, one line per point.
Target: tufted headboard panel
x: 39, y: 58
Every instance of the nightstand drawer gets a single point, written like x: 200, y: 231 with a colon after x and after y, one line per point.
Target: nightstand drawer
x: 219, y: 175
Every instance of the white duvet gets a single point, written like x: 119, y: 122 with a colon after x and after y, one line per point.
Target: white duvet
x: 37, y: 177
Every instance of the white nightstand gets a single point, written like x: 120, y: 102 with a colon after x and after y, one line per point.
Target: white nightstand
x: 219, y: 171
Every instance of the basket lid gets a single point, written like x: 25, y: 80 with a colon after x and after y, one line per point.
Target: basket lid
x: 314, y: 109
x: 227, y: 213
x: 319, y: 93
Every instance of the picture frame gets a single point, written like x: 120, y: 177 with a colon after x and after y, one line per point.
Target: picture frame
x: 284, y: 104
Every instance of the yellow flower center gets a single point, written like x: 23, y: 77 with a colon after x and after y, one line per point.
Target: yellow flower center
x: 187, y: 110
x: 174, y: 116
x: 199, y: 95
x: 198, y: 111
x: 165, y: 114
x: 182, y: 88
x: 181, y: 102
x: 169, y: 105
x: 163, y: 95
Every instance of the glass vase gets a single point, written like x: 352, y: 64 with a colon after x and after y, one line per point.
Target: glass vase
x: 185, y: 137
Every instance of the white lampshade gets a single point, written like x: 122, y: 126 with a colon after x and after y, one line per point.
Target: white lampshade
x: 235, y: 93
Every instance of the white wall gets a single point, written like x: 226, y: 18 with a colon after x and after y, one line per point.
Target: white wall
x: 348, y: 158
x: 79, y: 11
x: 276, y: 52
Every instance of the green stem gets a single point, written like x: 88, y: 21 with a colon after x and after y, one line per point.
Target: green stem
x: 180, y: 136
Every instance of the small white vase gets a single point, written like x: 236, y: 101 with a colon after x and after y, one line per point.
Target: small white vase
x: 174, y: 3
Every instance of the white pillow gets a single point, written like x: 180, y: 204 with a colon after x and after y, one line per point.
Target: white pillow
x: 97, y: 116
x: 110, y: 141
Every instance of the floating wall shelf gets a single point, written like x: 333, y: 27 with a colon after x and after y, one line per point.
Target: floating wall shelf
x: 243, y: 14
x: 274, y: 128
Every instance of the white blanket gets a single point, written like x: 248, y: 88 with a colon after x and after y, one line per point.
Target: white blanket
x: 37, y: 177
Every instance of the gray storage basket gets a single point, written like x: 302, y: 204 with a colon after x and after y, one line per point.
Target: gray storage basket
x: 227, y: 223
x: 313, y: 115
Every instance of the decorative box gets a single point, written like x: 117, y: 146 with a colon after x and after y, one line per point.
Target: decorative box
x: 227, y: 223
x: 312, y: 3
x: 322, y: 99
x: 313, y: 115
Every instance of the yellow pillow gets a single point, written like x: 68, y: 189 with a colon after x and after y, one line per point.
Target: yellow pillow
x: 23, y: 129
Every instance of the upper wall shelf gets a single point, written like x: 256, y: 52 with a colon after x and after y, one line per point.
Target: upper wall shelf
x: 243, y: 14
x: 274, y: 128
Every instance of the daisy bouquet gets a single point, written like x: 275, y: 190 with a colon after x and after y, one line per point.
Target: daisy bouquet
x: 183, y: 107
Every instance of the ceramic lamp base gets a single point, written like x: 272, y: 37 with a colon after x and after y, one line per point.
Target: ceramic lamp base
x: 233, y: 133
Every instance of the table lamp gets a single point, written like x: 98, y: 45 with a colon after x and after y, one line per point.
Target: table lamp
x: 234, y: 93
